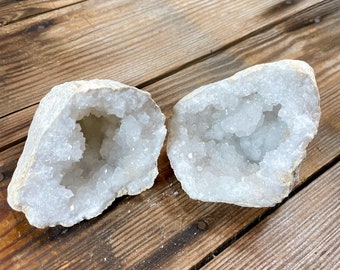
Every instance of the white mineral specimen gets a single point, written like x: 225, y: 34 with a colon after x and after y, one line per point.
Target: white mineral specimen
x: 241, y: 140
x: 89, y: 143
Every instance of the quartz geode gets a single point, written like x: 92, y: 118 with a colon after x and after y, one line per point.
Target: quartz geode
x: 241, y: 140
x: 89, y: 142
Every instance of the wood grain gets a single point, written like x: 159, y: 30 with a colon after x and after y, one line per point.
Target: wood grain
x: 129, y: 41
x: 13, y: 10
x: 315, y: 43
x: 276, y: 41
x: 14, y: 127
x: 127, y: 238
x: 162, y: 228
x: 21, y: 119
x: 8, y: 160
x: 301, y: 234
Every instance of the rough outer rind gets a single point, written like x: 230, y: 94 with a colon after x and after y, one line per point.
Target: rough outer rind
x: 55, y: 106
x: 259, y: 189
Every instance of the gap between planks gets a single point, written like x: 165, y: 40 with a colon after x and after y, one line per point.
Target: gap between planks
x: 267, y: 213
x: 102, y: 218
x: 297, y: 236
x: 55, y: 46
x: 322, y: 13
x: 8, y: 12
x: 5, y: 141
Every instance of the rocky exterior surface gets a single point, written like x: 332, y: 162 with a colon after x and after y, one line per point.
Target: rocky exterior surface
x: 241, y: 140
x: 89, y: 143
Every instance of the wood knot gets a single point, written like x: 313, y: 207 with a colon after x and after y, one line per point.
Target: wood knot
x: 40, y: 27
x: 202, y: 225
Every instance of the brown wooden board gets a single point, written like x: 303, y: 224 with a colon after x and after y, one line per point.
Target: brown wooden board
x: 315, y: 43
x: 14, y: 10
x: 130, y: 41
x: 14, y: 127
x: 162, y: 228
x: 302, y: 234
x: 21, y: 119
x: 8, y: 161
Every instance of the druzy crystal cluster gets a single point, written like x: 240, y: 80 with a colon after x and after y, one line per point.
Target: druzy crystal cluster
x: 241, y: 140
x: 89, y: 143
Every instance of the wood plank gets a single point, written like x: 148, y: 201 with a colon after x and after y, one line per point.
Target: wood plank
x: 268, y: 46
x: 120, y: 240
x: 19, y: 121
x: 300, y: 37
x: 129, y: 41
x: 315, y: 43
x: 8, y: 160
x: 162, y: 227
x: 301, y: 234
x: 12, y: 10
x: 14, y: 127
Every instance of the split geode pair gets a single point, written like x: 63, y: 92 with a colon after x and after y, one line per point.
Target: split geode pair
x: 240, y: 140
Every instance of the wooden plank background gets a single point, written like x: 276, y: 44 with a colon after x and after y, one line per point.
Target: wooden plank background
x: 168, y: 48
x: 314, y: 244
x: 11, y: 11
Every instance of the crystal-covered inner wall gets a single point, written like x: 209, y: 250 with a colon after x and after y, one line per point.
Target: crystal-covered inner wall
x: 97, y: 130
x: 267, y: 136
x: 227, y: 137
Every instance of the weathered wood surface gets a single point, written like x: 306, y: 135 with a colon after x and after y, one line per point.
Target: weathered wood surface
x: 14, y: 10
x: 48, y: 74
x: 168, y: 48
x: 299, y: 237
x: 130, y: 41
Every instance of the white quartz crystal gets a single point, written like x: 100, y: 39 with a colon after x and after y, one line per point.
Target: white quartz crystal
x: 241, y: 140
x: 89, y: 143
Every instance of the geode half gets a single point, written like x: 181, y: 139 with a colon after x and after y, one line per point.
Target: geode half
x: 241, y: 140
x: 89, y: 143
